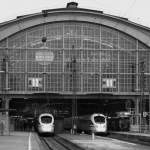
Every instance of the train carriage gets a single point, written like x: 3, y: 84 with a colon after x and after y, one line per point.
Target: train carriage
x: 96, y: 123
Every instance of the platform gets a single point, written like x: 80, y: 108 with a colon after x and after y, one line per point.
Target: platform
x: 142, y: 138
x: 87, y: 141
x: 19, y: 141
x: 30, y: 140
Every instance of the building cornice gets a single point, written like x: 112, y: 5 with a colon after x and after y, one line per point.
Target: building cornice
x: 135, y: 30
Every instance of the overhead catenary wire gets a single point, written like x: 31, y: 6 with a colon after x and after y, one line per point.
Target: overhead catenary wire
x: 129, y: 9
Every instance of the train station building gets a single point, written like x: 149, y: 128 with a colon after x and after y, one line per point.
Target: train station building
x: 75, y: 60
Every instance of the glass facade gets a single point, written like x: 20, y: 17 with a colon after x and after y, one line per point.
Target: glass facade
x: 91, y: 57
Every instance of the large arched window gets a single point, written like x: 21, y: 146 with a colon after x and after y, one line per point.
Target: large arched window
x: 106, y: 59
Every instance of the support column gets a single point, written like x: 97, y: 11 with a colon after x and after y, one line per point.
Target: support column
x: 5, y: 116
x: 135, y: 117
x: 137, y: 112
x: 137, y: 101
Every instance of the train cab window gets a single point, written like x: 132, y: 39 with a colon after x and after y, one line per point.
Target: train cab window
x: 46, y: 119
x: 99, y: 119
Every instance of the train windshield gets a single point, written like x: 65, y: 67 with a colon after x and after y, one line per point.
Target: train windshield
x: 99, y: 119
x: 46, y: 119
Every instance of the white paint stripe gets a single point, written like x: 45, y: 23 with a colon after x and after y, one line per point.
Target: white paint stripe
x: 29, y: 142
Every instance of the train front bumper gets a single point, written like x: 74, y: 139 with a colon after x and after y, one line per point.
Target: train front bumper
x: 46, y: 129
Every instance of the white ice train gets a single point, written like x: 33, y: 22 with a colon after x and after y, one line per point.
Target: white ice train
x: 45, y: 124
x: 96, y: 123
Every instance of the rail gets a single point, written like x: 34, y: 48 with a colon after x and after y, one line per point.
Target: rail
x: 58, y: 143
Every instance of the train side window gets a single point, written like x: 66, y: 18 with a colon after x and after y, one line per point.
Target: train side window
x: 88, y: 122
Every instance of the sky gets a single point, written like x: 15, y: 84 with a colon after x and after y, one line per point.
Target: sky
x: 137, y: 11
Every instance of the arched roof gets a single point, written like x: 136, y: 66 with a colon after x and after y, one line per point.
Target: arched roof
x: 137, y: 31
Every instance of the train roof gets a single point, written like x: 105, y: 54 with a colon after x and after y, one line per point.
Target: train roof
x: 91, y: 115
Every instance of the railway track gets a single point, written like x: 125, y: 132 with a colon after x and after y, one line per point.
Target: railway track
x: 58, y: 143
